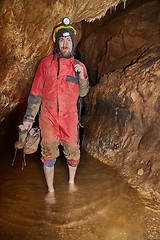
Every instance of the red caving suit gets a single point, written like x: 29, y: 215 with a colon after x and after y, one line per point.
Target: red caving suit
x: 58, y: 115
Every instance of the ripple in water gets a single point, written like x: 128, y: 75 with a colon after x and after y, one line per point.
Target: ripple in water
x: 103, y: 207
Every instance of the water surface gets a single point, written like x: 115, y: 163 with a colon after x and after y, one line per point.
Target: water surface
x: 104, y: 207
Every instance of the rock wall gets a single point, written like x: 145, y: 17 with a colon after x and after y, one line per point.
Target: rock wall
x: 122, y: 111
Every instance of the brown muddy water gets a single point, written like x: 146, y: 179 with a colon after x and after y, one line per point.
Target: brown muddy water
x: 103, y: 207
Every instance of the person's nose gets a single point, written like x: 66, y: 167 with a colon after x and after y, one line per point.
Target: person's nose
x: 65, y: 43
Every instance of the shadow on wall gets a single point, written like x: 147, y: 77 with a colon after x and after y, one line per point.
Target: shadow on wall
x: 9, y: 127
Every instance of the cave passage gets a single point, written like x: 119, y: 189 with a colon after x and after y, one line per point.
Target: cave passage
x: 103, y: 207
x: 122, y: 128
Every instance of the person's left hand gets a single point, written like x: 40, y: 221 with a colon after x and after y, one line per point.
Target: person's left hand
x: 27, y: 124
x: 79, y: 68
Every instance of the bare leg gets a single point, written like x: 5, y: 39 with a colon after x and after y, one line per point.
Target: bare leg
x: 49, y: 175
x: 72, y: 173
x: 50, y: 198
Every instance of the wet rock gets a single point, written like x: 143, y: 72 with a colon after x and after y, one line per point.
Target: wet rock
x: 122, y: 109
x: 140, y: 172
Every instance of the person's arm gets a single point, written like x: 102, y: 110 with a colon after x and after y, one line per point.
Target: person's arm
x: 83, y: 87
x: 33, y: 106
x: 35, y: 97
x: 83, y: 79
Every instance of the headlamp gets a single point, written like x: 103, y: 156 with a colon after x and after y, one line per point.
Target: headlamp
x: 65, y: 24
x: 66, y: 21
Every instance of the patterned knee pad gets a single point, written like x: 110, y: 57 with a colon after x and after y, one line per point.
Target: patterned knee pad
x: 73, y: 163
x: 49, y: 151
x: 50, y: 163
x: 71, y: 152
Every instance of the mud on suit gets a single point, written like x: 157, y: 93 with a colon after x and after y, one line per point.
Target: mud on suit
x: 58, y: 118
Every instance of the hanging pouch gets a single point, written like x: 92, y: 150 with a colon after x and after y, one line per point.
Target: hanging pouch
x: 28, y: 141
x: 32, y: 141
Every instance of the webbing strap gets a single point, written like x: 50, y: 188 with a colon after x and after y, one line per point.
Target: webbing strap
x: 76, y: 61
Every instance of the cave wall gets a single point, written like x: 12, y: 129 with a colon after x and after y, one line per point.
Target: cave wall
x: 122, y: 110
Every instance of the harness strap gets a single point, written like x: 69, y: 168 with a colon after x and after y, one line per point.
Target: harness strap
x: 76, y: 61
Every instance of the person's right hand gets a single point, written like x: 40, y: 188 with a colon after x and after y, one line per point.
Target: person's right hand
x: 78, y: 68
x: 27, y: 125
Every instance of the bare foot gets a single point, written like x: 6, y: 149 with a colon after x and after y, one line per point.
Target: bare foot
x: 72, y: 187
x: 51, y: 190
x: 50, y: 198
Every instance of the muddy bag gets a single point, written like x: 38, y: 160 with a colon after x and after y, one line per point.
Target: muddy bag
x: 28, y: 141
x: 32, y: 141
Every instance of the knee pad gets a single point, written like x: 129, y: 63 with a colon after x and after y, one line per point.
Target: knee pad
x: 49, y: 150
x: 71, y: 152
x: 73, y: 163
x: 50, y: 163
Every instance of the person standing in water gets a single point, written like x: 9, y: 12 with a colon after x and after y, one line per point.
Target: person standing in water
x: 57, y: 85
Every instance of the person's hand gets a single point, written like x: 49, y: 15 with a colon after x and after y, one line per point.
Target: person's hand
x: 79, y: 68
x: 27, y: 125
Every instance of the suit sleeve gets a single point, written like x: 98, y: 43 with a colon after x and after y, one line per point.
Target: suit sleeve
x: 35, y: 96
x: 84, y: 83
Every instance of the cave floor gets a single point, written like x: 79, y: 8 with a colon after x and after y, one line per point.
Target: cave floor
x: 103, y: 207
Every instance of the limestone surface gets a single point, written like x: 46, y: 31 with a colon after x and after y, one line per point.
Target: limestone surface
x: 122, y: 117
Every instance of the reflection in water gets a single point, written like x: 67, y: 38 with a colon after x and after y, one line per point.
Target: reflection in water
x: 101, y: 207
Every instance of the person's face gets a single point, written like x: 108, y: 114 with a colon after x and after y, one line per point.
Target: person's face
x: 65, y: 45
